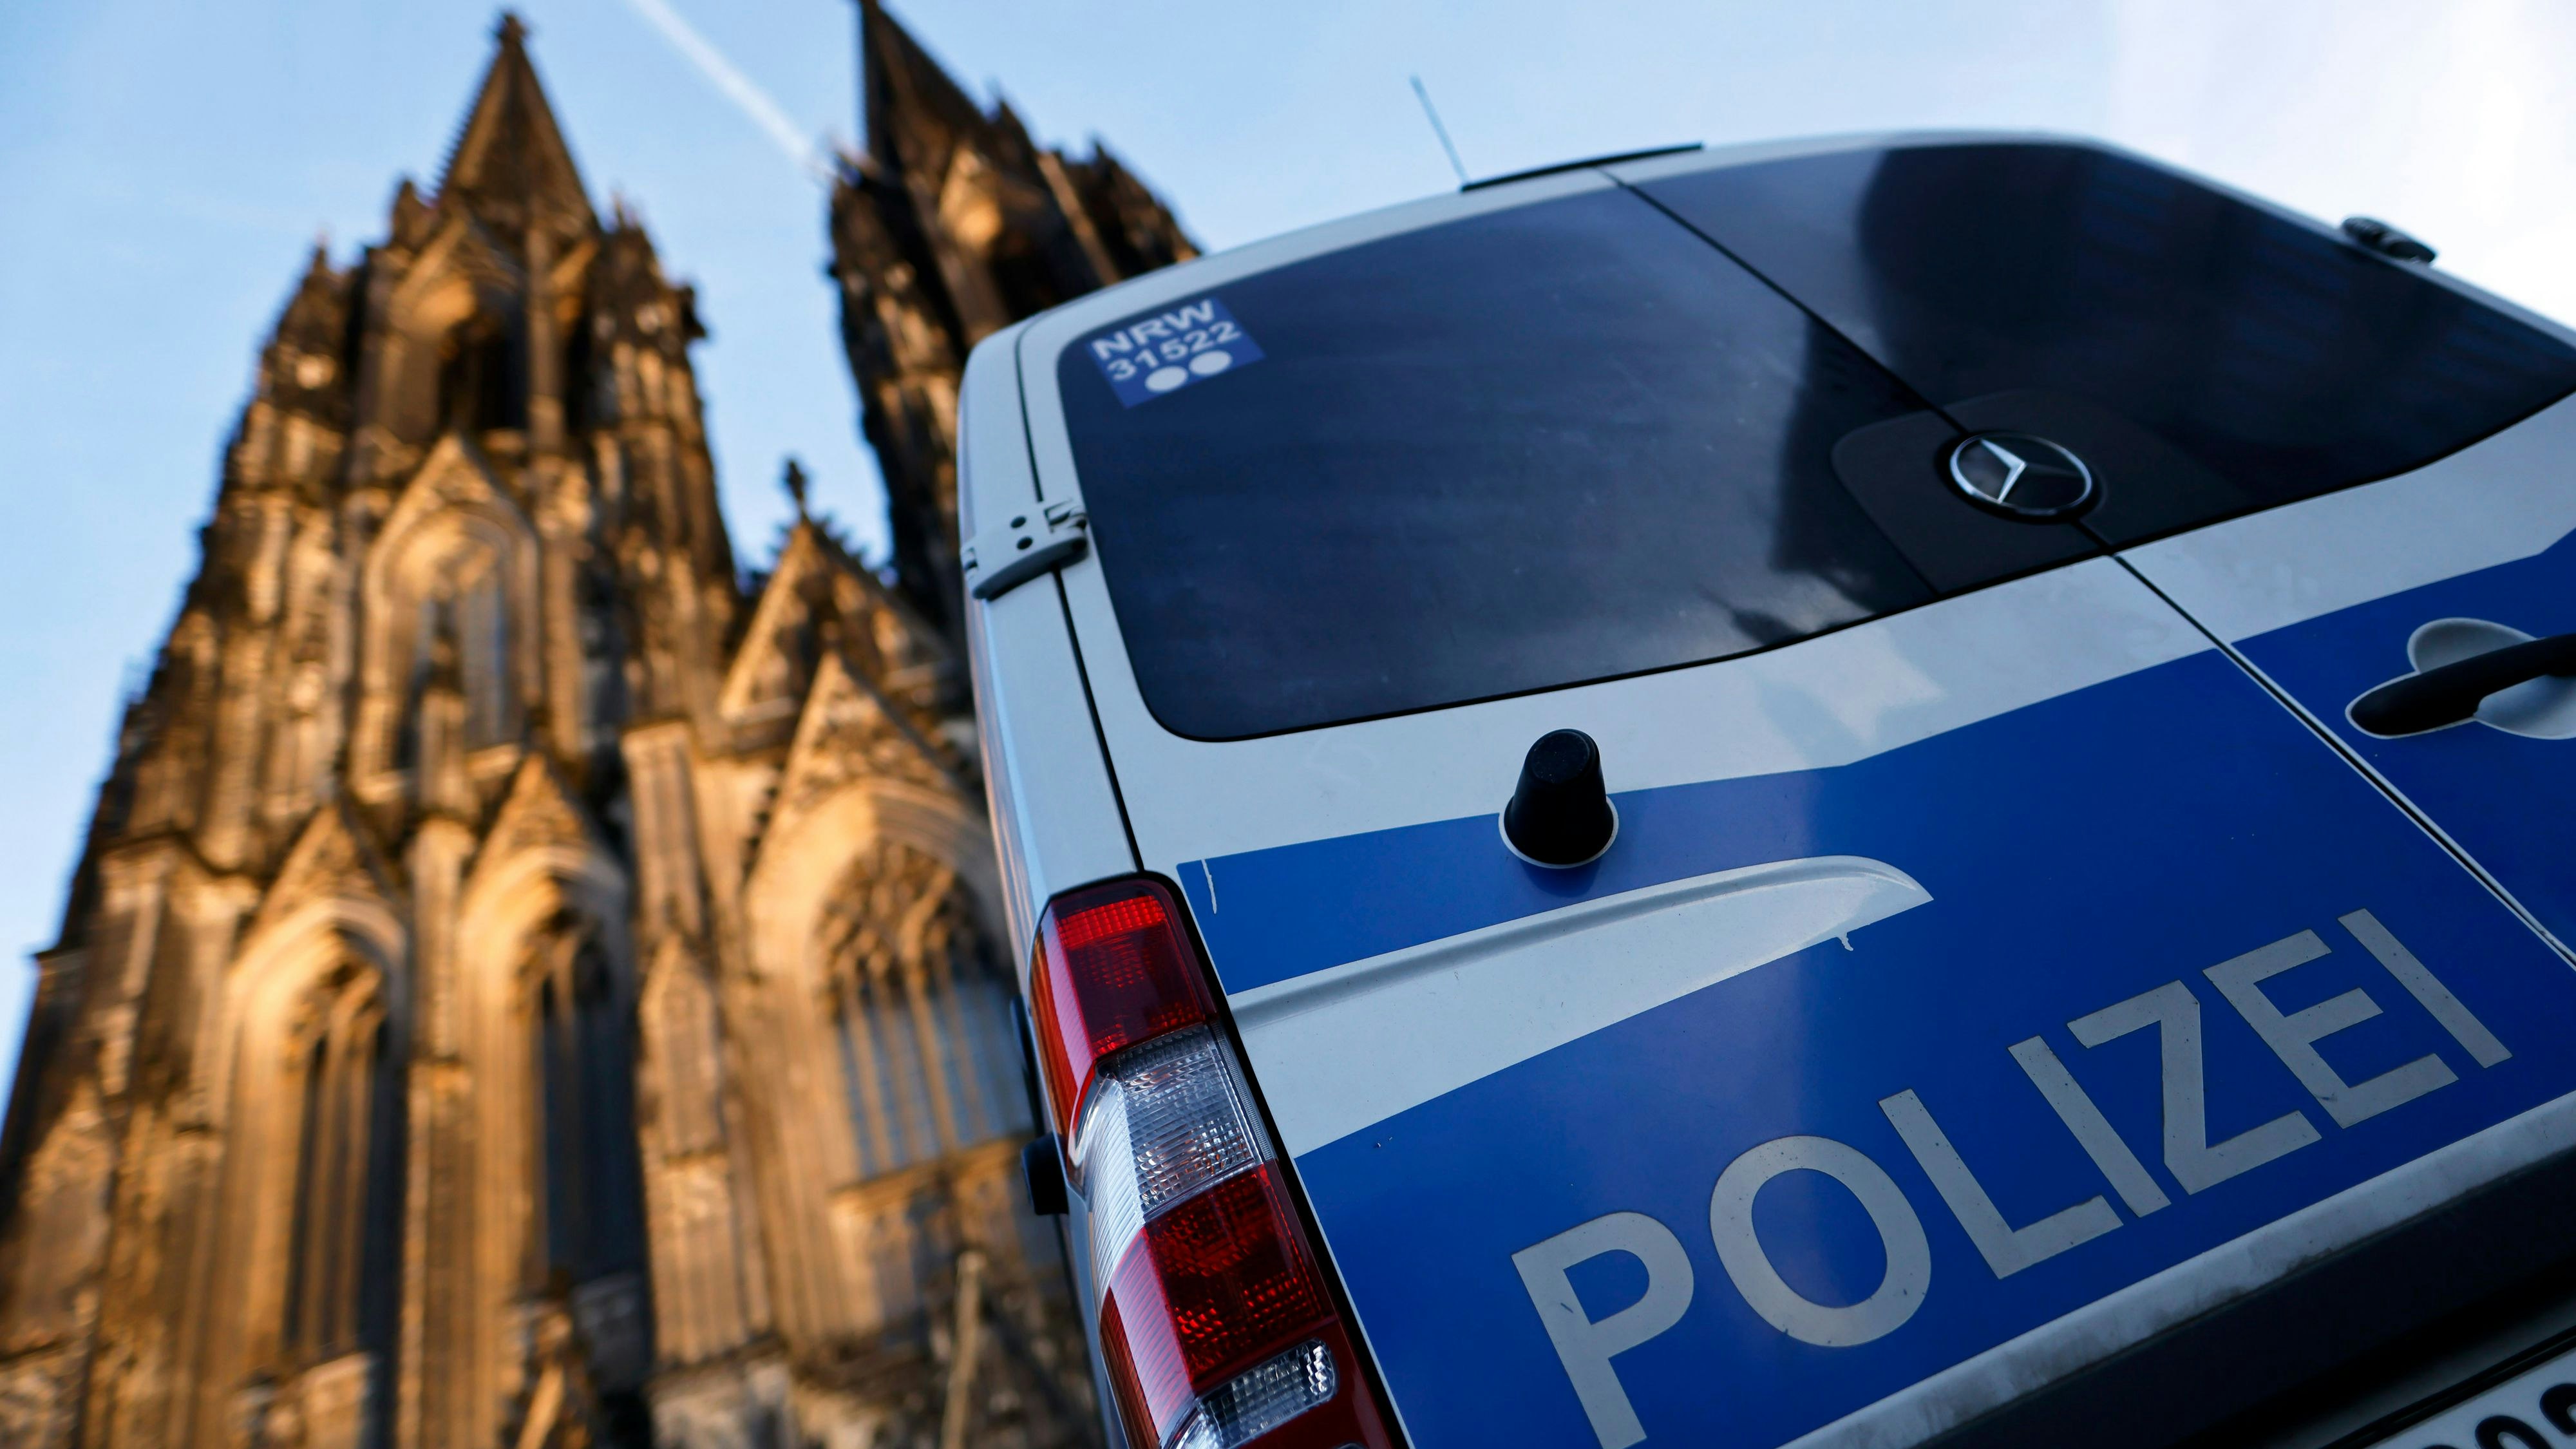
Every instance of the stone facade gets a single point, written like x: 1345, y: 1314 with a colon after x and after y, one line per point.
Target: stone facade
x: 524, y: 985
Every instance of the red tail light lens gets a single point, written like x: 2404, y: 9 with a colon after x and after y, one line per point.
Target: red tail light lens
x: 1214, y: 1285
x: 1215, y: 1321
x: 1111, y: 970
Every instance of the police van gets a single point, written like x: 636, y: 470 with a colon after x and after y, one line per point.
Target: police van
x: 1851, y: 793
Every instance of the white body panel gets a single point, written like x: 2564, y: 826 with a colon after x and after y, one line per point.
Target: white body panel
x: 1054, y: 808
x: 2505, y: 498
x: 1825, y: 701
x: 1345, y: 1048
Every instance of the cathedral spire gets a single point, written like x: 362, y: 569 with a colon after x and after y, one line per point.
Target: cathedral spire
x: 914, y: 114
x: 510, y: 166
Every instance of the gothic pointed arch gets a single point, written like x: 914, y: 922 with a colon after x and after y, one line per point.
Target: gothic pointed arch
x: 456, y: 567
x: 918, y: 995
x: 873, y: 866
x: 545, y: 1011
x: 304, y: 1071
x: 453, y: 351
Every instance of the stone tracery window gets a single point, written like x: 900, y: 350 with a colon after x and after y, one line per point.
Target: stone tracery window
x: 338, y: 1053
x: 483, y: 659
x: 469, y: 615
x: 461, y: 641
x: 921, y: 1015
x: 592, y: 1204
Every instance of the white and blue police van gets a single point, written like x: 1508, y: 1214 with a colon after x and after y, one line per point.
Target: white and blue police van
x: 1856, y: 793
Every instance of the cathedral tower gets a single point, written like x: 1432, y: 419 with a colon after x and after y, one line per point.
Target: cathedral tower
x: 519, y: 989
x: 953, y: 225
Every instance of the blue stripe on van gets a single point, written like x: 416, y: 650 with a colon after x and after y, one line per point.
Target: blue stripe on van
x: 1280, y: 913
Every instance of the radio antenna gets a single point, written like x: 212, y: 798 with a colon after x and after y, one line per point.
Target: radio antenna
x: 1439, y: 130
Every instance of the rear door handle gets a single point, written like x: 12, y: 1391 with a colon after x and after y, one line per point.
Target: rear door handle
x: 2453, y: 692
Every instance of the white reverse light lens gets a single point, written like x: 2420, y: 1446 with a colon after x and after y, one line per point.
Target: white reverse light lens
x: 1163, y: 1122
x: 1184, y: 1123
x: 1261, y: 1398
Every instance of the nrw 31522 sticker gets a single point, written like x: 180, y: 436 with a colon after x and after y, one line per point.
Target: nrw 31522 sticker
x: 1172, y: 349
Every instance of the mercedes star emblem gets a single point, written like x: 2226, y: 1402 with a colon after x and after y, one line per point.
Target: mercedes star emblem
x: 2021, y: 476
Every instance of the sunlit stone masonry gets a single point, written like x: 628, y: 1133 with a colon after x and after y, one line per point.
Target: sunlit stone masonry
x: 526, y: 984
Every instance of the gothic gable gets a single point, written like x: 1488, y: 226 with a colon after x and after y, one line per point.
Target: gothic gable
x: 454, y: 475
x: 771, y: 668
x: 819, y: 601
x: 331, y: 859
x: 458, y: 268
x: 850, y: 732
x: 539, y: 812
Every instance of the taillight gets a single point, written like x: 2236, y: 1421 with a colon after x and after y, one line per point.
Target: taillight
x: 1213, y: 1313
x: 1112, y: 970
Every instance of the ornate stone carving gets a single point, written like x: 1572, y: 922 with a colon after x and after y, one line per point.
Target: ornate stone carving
x: 466, y: 717
x: 38, y: 1400
x: 848, y: 733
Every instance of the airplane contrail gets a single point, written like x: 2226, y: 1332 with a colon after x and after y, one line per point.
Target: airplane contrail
x: 737, y: 87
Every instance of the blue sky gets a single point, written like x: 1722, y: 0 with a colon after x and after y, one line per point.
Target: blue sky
x: 166, y: 165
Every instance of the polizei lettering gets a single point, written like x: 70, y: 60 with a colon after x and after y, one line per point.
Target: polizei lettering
x: 2082, y: 1211
x: 1151, y: 357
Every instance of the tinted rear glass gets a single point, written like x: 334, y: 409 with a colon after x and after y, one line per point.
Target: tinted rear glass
x: 2277, y: 354
x: 1530, y: 448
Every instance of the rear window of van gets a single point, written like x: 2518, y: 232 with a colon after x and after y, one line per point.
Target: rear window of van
x: 1594, y: 436
x: 2275, y: 353
x: 1525, y: 449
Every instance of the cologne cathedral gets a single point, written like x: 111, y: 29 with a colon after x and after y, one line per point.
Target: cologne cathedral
x: 528, y: 984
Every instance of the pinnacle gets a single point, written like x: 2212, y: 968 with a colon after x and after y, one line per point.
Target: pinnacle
x: 794, y: 481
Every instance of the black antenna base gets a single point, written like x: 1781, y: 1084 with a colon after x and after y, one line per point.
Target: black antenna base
x: 1560, y: 816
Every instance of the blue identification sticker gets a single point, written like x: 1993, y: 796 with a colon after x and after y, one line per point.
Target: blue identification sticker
x: 1170, y: 350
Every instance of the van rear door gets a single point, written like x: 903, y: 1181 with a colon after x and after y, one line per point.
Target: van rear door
x: 2407, y: 595
x: 2404, y: 437
x: 1988, y: 976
